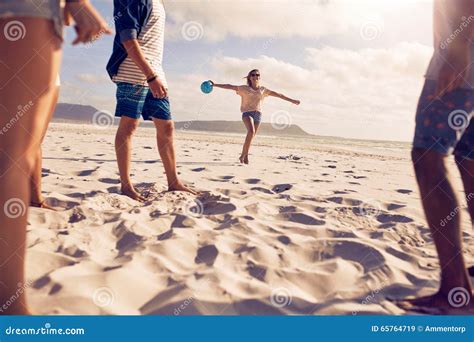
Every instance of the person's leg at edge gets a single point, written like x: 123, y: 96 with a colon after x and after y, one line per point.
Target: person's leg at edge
x: 123, y: 150
x: 28, y: 71
x: 165, y: 142
x: 250, y: 125
x: 466, y: 169
x: 439, y: 201
x: 35, y: 179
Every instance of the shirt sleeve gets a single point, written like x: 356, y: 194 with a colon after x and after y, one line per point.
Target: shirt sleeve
x: 126, y: 15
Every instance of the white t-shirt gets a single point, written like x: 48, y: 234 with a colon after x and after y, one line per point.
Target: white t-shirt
x: 151, y: 40
x: 445, y: 30
x: 251, y: 99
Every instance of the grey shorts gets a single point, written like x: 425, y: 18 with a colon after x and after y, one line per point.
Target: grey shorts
x: 48, y: 9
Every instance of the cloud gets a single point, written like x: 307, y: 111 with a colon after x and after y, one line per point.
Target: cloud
x: 254, y: 19
x: 216, y: 20
x: 93, y: 78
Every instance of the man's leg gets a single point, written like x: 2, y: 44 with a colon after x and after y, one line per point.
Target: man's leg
x: 249, y: 124
x: 466, y: 169
x: 123, y: 150
x: 35, y: 180
x: 439, y: 203
x: 165, y: 141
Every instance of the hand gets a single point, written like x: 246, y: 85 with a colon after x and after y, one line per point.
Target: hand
x: 89, y: 23
x: 157, y: 89
x: 296, y: 102
x: 453, y: 71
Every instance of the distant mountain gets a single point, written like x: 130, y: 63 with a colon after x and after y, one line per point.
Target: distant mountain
x: 85, y: 114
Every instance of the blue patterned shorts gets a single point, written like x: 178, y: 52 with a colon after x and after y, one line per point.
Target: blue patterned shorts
x: 257, y: 116
x: 134, y: 100
x: 444, y: 125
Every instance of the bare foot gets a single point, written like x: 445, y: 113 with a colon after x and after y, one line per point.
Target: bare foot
x: 439, y: 303
x: 246, y: 159
x: 41, y: 204
x: 133, y: 194
x: 181, y: 187
x: 241, y: 159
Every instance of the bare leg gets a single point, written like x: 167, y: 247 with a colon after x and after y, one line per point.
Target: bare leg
x: 28, y: 70
x: 249, y: 124
x: 35, y: 179
x: 466, y: 168
x: 164, y: 135
x: 123, y: 150
x: 439, y: 202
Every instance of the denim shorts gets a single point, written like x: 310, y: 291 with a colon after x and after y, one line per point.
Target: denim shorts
x: 134, y: 100
x: 257, y: 116
x: 444, y: 125
x: 47, y: 9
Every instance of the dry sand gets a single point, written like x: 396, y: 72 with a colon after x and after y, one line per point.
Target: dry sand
x: 336, y: 230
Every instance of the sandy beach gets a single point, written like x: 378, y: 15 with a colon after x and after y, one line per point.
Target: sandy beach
x: 311, y: 226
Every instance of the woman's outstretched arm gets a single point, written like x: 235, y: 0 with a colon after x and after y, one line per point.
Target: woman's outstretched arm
x: 225, y: 86
x: 283, y: 97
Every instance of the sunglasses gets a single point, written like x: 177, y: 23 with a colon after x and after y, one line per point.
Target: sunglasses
x: 255, y: 75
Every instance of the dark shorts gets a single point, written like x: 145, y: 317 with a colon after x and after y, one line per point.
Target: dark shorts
x: 257, y: 116
x: 135, y: 100
x: 444, y: 125
x: 14, y: 29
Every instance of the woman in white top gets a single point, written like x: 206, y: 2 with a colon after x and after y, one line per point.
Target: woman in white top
x: 252, y: 96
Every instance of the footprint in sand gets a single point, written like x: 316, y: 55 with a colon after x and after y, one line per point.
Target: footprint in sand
x: 405, y: 191
x: 147, y: 148
x: 387, y: 218
x: 394, y: 206
x: 279, y: 188
x: 199, y: 169
x: 86, y: 173
x: 258, y: 272
x: 284, y: 239
x: 259, y: 188
x: 303, y: 219
x: 206, y: 255
x: 109, y: 180
x: 252, y: 181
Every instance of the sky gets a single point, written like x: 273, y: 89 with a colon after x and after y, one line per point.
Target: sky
x: 356, y: 65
